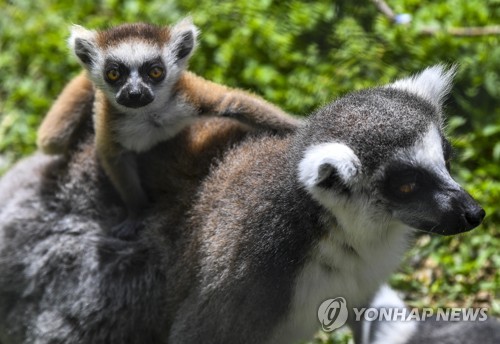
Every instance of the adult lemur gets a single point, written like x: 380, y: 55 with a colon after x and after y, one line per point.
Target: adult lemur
x: 285, y: 223
x: 278, y: 226
x: 144, y: 95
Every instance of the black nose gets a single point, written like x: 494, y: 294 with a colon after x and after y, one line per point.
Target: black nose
x: 134, y: 95
x: 461, y: 215
x: 135, y: 98
x: 475, y: 216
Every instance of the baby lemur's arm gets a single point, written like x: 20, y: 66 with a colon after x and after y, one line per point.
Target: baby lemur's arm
x: 211, y: 98
x: 67, y: 114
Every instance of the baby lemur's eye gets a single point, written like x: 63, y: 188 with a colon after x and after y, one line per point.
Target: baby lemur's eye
x: 113, y: 74
x: 156, y: 73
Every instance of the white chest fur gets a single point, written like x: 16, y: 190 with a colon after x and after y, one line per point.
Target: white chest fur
x: 336, y: 268
x: 142, y: 129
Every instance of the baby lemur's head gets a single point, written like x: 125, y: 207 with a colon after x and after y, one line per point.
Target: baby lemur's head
x: 135, y: 64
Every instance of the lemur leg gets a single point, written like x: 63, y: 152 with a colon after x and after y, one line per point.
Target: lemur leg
x: 69, y: 111
x: 123, y: 173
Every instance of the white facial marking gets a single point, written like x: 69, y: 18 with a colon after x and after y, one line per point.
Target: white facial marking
x: 428, y: 151
x: 432, y: 84
x: 336, y: 155
x: 134, y: 52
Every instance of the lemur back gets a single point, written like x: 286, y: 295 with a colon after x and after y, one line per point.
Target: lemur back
x: 143, y: 95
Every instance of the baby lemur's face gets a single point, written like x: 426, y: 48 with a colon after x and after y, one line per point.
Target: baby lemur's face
x: 135, y: 65
x: 134, y: 83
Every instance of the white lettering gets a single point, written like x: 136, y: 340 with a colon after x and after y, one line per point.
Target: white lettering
x: 358, y: 313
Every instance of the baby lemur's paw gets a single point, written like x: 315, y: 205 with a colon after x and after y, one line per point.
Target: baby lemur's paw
x: 128, y: 229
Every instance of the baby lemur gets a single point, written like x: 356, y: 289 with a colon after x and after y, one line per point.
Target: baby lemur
x: 143, y: 95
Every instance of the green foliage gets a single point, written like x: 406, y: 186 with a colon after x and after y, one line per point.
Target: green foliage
x: 298, y: 55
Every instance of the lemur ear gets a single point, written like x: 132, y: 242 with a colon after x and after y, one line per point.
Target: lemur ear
x: 83, y: 44
x: 328, y: 165
x: 184, y: 36
x: 433, y: 83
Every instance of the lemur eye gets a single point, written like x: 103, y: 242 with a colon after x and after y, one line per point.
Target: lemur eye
x: 407, y: 188
x: 403, y: 183
x: 113, y: 74
x: 156, y: 72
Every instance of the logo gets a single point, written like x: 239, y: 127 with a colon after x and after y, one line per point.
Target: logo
x: 332, y: 314
x: 400, y: 314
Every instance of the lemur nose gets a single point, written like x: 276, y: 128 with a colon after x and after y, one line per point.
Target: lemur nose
x: 474, y: 217
x: 134, y: 94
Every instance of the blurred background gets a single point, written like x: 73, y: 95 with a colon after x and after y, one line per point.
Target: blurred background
x: 301, y: 55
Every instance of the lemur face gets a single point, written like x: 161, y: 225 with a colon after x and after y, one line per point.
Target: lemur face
x: 415, y: 186
x: 134, y: 84
x: 135, y: 64
x: 380, y: 156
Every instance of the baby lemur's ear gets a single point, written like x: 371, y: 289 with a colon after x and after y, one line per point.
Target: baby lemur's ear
x: 83, y: 43
x: 329, y: 166
x: 183, y: 39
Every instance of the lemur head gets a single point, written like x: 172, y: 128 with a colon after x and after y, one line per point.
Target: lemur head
x: 383, y: 152
x: 134, y: 64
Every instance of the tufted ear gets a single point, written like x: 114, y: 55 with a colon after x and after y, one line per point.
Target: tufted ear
x: 183, y: 40
x: 83, y: 43
x: 329, y: 165
x: 433, y: 83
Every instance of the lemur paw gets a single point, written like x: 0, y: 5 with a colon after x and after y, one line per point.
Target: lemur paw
x: 128, y: 229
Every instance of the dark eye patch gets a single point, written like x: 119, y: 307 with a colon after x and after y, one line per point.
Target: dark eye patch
x: 405, y: 182
x: 147, y: 66
x: 398, y: 178
x: 123, y: 70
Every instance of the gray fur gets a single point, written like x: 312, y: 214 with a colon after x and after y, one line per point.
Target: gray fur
x: 63, y: 279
